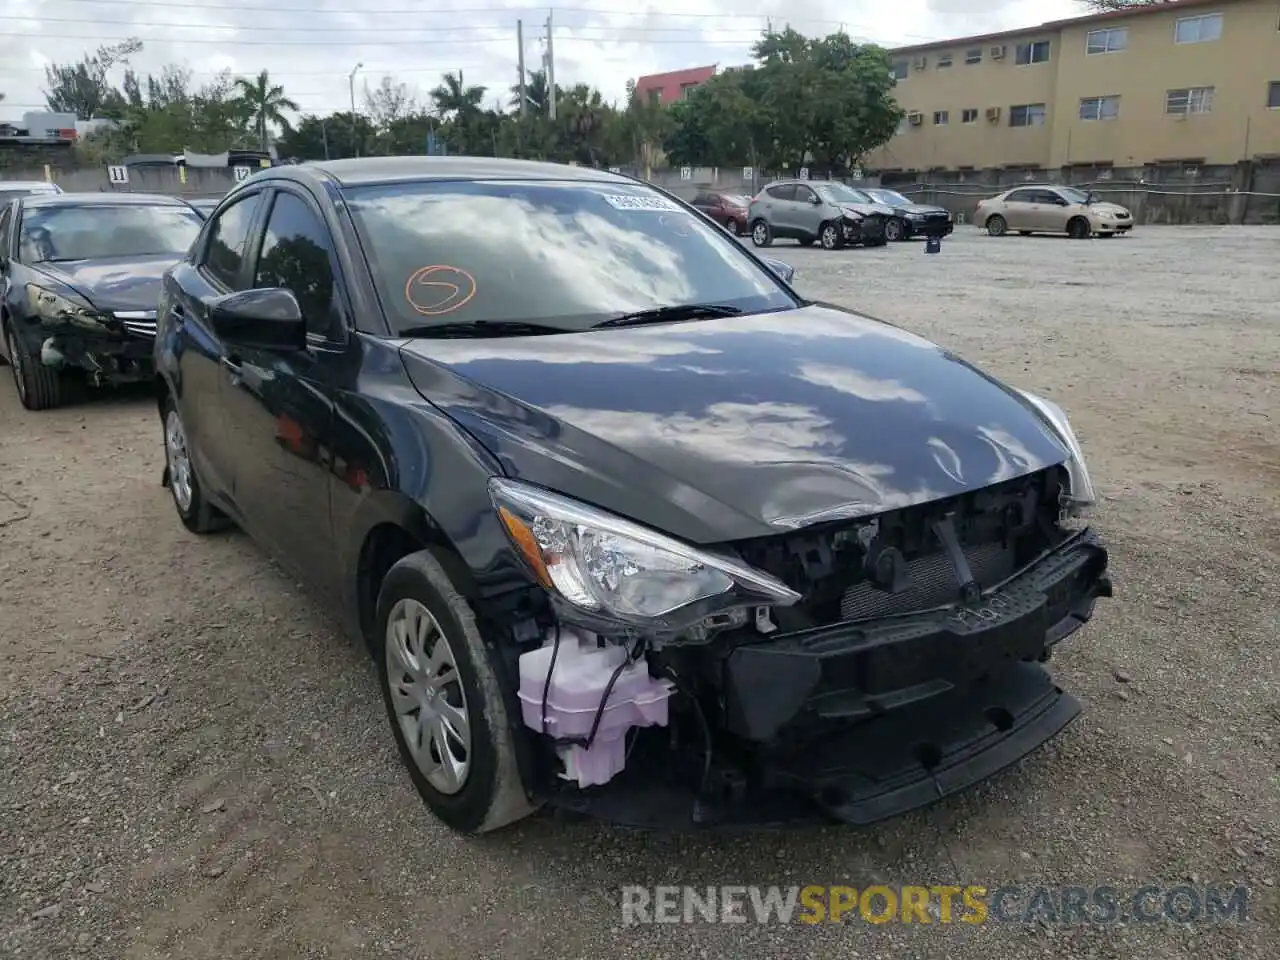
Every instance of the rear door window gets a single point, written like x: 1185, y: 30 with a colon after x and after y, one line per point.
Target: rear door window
x: 783, y: 191
x: 1021, y: 196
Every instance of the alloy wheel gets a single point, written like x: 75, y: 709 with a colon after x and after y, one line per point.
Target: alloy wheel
x: 759, y: 234
x: 893, y: 230
x: 829, y: 237
x: 175, y: 448
x: 428, y: 697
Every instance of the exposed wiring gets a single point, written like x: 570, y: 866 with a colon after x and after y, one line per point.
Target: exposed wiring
x: 585, y: 742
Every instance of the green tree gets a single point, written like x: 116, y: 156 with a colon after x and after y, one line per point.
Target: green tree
x: 825, y: 102
x: 458, y: 106
x: 265, y: 104
x: 83, y: 88
x: 336, y: 136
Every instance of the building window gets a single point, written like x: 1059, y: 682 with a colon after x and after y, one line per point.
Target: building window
x: 900, y: 70
x: 1107, y: 41
x: 1037, y: 52
x: 941, y: 117
x: 970, y: 115
x: 1273, y: 95
x: 686, y: 90
x: 944, y: 60
x: 655, y: 97
x: 1099, y: 108
x: 1192, y: 100
x: 973, y: 56
x: 1027, y: 115
x: 1198, y: 29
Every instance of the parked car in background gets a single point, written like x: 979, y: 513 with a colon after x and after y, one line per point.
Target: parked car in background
x: 817, y: 211
x: 79, y: 281
x: 1045, y: 208
x: 727, y: 209
x: 628, y: 526
x: 911, y: 219
x: 12, y: 189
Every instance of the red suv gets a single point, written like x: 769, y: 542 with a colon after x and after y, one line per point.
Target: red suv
x: 727, y: 209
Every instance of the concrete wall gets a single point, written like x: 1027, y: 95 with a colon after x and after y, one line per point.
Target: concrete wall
x: 199, y: 182
x: 1177, y: 194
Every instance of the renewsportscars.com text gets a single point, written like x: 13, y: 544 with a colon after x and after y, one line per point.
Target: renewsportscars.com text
x: 971, y: 904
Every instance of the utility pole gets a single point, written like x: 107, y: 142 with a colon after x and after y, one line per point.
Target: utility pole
x: 551, y: 70
x: 520, y: 40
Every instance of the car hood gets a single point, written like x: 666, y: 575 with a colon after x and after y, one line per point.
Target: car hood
x: 114, y: 283
x: 920, y: 208
x: 738, y: 427
x: 867, y: 209
x: 1108, y: 208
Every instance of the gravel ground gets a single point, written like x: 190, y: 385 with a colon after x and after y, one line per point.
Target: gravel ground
x: 194, y: 763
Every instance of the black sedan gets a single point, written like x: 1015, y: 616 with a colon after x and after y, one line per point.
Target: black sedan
x: 79, y: 279
x: 911, y: 219
x: 629, y: 527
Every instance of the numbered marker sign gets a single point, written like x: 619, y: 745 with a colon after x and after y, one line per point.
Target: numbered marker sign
x: 686, y: 173
x: 747, y: 173
x: 118, y: 174
x: 804, y: 173
x: 615, y: 169
x: 242, y: 173
x: 857, y: 173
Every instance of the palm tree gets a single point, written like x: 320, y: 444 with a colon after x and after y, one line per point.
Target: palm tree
x: 452, y: 98
x: 536, y: 91
x: 264, y: 104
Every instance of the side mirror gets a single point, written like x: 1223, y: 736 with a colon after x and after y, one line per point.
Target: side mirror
x: 814, y: 200
x: 266, y: 318
x: 784, y: 270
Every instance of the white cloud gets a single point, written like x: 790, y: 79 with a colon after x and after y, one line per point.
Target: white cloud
x: 311, y: 45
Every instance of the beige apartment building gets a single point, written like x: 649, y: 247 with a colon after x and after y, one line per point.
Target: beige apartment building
x: 1192, y: 81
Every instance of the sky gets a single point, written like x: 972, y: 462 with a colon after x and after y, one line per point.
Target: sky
x: 312, y: 46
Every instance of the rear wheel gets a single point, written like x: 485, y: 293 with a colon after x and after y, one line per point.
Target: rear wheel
x: 444, y: 700
x: 39, y: 387
x: 895, y: 230
x: 996, y: 225
x: 761, y: 235
x: 1078, y: 228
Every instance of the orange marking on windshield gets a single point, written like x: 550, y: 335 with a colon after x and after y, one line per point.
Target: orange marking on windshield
x: 439, y: 289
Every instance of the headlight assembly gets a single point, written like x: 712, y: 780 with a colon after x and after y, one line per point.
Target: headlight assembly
x: 606, y: 568
x: 52, y: 307
x: 1081, y: 495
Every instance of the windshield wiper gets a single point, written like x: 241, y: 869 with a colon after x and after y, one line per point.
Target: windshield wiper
x: 462, y: 329
x: 672, y: 314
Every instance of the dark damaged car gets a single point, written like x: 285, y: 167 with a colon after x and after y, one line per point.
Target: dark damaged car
x: 630, y: 527
x: 911, y: 219
x: 79, y: 280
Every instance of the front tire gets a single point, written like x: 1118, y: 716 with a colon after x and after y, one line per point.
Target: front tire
x: 39, y: 387
x: 1078, y: 229
x: 761, y: 235
x: 996, y: 225
x: 195, y: 512
x: 444, y: 700
x: 895, y: 230
x: 829, y: 236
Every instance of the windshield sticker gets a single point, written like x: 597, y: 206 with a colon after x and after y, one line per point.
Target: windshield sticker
x: 439, y: 289
x: 624, y: 201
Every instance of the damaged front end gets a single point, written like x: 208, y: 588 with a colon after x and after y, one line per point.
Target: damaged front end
x: 67, y: 334
x: 850, y: 670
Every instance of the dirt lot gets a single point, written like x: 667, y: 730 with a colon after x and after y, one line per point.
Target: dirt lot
x: 193, y: 763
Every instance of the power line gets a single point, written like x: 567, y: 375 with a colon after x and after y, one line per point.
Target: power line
x: 453, y: 42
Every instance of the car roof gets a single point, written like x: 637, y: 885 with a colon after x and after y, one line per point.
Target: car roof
x: 369, y: 170
x: 101, y: 200
x: 27, y: 185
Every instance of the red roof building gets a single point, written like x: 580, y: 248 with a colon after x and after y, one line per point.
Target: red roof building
x: 667, y: 88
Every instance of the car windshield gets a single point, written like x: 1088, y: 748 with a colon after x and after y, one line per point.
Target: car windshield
x: 839, y: 193
x: 1073, y: 195
x: 891, y: 197
x: 565, y: 255
x: 99, y: 231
